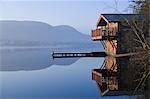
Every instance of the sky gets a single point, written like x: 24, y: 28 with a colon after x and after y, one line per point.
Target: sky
x: 80, y: 14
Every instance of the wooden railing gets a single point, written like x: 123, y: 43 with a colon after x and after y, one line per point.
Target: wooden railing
x: 98, y: 34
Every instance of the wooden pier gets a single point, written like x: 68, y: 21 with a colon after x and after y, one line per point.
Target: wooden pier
x: 77, y: 55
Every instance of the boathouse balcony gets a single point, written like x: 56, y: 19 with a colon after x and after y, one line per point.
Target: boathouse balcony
x: 103, y: 34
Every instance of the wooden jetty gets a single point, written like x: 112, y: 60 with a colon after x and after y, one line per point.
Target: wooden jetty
x: 78, y: 54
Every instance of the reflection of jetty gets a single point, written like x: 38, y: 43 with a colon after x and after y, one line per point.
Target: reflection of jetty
x: 109, y: 30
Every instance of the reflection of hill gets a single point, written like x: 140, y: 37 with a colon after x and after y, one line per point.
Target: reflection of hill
x: 34, y: 58
x: 30, y: 60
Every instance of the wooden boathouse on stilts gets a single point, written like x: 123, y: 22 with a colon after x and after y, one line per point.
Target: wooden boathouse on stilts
x: 109, y: 30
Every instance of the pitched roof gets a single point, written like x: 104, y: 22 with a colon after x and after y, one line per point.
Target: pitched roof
x: 121, y: 17
x: 117, y: 18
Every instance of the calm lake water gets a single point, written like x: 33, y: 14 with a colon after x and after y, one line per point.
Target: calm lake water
x: 30, y: 73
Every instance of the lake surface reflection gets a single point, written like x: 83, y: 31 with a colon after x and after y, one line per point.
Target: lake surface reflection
x: 32, y: 74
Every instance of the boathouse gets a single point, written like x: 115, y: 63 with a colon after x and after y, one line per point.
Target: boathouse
x: 110, y: 77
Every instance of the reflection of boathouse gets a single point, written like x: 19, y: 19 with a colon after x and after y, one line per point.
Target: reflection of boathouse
x: 109, y: 30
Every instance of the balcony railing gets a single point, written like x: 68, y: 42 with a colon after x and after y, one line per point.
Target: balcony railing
x: 99, y: 34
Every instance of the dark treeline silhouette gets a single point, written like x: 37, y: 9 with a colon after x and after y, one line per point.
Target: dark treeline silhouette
x: 137, y: 40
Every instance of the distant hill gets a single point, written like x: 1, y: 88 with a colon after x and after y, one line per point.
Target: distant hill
x: 27, y: 31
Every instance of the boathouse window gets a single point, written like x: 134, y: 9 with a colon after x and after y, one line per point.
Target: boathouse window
x: 103, y: 27
x: 103, y: 80
x: 102, y: 22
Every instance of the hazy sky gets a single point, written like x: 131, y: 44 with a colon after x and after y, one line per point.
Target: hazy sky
x: 81, y: 14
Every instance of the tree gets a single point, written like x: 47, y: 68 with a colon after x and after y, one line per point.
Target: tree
x: 139, y: 41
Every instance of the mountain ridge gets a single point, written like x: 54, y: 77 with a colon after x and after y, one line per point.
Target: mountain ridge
x: 39, y: 31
